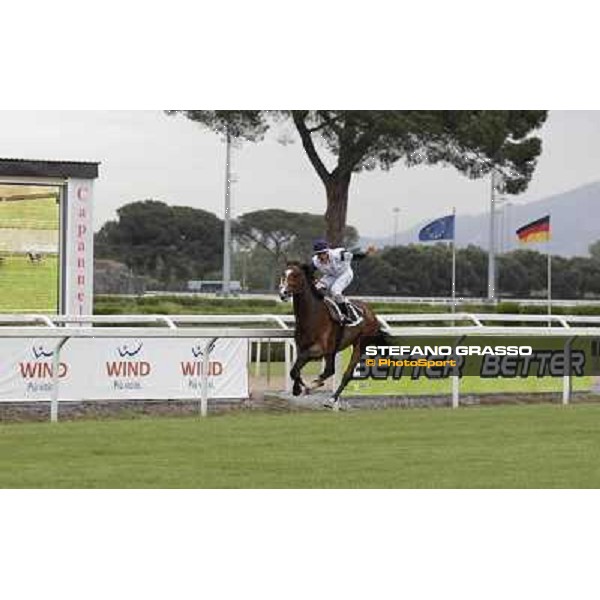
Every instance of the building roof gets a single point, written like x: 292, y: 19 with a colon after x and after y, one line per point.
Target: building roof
x: 22, y: 167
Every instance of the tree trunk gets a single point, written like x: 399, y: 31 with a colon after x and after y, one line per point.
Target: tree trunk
x: 337, y: 208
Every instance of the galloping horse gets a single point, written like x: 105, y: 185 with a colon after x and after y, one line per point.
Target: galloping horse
x: 318, y: 334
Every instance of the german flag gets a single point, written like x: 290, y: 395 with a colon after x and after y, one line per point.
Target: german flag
x: 536, y: 231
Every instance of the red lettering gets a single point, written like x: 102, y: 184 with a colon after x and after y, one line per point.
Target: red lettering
x: 190, y: 369
x: 42, y: 370
x: 29, y: 370
x: 145, y: 369
x: 115, y: 369
x: 81, y: 230
x: 194, y: 369
x: 81, y: 247
x: 217, y: 369
x: 128, y: 369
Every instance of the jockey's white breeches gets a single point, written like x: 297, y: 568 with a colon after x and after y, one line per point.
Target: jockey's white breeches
x: 335, y: 286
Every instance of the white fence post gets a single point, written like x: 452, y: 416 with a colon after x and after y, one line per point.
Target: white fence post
x: 257, y: 356
x: 205, y: 369
x: 455, y: 378
x: 566, y: 395
x: 455, y: 391
x: 56, y: 379
x: 567, y: 380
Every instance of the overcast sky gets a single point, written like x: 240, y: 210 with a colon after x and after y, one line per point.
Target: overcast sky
x: 145, y: 154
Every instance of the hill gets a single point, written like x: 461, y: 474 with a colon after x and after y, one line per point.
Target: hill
x: 575, y: 223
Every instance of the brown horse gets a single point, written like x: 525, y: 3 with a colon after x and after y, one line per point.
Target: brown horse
x: 318, y: 335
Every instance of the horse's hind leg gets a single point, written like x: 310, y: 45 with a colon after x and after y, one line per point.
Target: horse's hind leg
x: 333, y: 402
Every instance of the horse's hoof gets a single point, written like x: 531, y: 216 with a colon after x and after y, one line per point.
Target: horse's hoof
x: 297, y: 390
x: 332, y: 403
x: 307, y: 391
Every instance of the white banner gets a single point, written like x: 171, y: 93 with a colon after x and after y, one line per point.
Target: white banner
x: 104, y: 369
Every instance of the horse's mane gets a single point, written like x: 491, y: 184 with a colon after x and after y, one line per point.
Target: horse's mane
x: 309, y: 270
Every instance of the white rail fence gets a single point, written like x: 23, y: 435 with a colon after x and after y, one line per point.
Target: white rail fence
x: 279, y: 328
x: 432, y: 300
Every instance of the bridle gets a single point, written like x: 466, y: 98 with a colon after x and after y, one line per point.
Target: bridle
x: 284, y: 291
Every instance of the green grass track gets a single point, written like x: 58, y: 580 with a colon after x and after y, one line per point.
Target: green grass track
x: 543, y: 446
x: 26, y: 286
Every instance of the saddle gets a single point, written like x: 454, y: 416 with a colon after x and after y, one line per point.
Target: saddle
x: 335, y: 312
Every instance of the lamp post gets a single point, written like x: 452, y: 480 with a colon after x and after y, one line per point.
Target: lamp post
x: 507, y: 226
x: 492, y: 241
x: 226, y: 289
x: 497, y: 185
x: 396, y: 212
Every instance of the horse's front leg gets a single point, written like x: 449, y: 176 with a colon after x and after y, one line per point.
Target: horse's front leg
x: 328, y: 371
x: 303, y: 358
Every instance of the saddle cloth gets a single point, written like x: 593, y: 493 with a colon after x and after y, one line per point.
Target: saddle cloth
x: 334, y: 310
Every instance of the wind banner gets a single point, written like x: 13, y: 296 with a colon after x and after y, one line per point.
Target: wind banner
x: 105, y: 369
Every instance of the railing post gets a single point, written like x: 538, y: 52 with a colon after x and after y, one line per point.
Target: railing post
x: 455, y: 377
x: 455, y: 391
x: 268, y: 362
x: 204, y: 380
x: 258, y: 357
x: 567, y: 378
x: 56, y: 379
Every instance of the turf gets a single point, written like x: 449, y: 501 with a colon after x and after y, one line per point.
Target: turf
x: 544, y: 446
x: 468, y: 385
x: 28, y: 286
x: 30, y: 214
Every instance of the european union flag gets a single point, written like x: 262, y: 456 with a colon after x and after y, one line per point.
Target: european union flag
x: 440, y: 229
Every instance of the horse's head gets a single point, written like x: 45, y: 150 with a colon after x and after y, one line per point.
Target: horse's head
x: 295, y: 279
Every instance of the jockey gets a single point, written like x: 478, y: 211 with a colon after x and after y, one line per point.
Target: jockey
x: 335, y: 267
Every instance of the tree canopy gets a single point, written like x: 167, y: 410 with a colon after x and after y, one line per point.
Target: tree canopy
x: 283, y: 235
x: 284, y: 232
x: 473, y: 141
x: 424, y: 270
x: 171, y: 244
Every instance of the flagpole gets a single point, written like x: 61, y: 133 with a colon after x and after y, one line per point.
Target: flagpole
x: 549, y: 281
x: 454, y: 262
x: 492, y: 241
x: 549, y: 270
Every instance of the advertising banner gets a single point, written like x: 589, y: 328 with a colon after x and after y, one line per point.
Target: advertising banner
x: 79, y: 253
x: 104, y: 369
x: 487, y: 357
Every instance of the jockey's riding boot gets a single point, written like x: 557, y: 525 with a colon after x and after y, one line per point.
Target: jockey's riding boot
x: 344, y: 310
x: 352, y: 316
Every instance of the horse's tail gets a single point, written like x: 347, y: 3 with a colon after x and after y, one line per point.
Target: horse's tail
x: 382, y: 337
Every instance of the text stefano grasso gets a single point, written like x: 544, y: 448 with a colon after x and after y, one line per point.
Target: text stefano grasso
x: 449, y: 351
